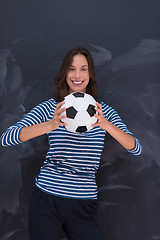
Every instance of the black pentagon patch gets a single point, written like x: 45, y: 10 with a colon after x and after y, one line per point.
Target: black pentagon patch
x: 78, y: 94
x: 81, y: 129
x: 71, y: 112
x: 91, y: 110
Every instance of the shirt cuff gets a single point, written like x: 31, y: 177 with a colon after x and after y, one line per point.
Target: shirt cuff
x: 138, y: 148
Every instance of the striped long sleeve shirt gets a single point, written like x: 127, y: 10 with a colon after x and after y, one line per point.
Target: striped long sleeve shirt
x: 73, y: 158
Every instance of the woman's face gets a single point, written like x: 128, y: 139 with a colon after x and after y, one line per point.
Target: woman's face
x: 78, y: 75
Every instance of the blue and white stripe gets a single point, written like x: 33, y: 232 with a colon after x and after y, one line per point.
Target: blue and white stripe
x: 73, y: 158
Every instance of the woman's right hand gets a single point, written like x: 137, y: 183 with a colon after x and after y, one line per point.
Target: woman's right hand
x: 55, y: 122
x: 33, y: 131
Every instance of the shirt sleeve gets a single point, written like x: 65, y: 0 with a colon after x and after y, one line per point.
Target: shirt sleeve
x: 112, y: 116
x: 37, y: 115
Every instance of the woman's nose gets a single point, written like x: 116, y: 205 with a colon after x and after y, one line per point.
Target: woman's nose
x: 77, y: 74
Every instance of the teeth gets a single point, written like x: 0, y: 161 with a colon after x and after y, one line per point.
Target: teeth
x: 77, y: 82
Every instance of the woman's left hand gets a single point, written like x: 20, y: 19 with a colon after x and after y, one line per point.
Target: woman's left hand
x: 101, y: 120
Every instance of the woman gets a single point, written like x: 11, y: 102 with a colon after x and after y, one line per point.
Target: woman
x: 65, y: 189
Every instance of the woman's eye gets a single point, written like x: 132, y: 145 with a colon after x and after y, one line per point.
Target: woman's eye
x: 71, y: 69
x: 84, y: 69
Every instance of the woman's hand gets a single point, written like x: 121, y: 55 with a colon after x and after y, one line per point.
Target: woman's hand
x: 101, y: 120
x: 55, y: 122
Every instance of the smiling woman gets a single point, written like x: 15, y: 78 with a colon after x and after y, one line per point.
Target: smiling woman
x: 65, y: 191
x: 78, y: 75
x: 78, y: 69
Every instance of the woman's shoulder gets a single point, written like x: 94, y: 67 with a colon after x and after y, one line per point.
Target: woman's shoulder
x: 108, y: 111
x: 105, y: 106
x: 50, y: 103
x: 46, y: 106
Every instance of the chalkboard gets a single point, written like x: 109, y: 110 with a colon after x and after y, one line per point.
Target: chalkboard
x: 124, y: 40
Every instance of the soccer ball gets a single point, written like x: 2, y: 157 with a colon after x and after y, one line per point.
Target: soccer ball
x: 79, y: 111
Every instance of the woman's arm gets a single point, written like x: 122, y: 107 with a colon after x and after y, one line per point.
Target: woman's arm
x: 124, y: 138
x: 30, y: 132
x: 33, y: 124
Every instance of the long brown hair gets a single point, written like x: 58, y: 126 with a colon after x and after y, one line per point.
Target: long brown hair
x: 61, y: 86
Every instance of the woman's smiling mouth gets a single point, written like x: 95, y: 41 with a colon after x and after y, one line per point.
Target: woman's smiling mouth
x: 77, y: 82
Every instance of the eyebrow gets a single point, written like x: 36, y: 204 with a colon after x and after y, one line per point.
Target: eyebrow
x: 81, y: 66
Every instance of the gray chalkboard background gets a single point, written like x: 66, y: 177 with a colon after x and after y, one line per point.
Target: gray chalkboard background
x: 124, y: 39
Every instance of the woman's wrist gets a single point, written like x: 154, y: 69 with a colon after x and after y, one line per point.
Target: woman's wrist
x: 108, y: 126
x: 50, y: 125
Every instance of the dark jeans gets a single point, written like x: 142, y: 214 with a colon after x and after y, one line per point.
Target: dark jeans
x: 48, y: 214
